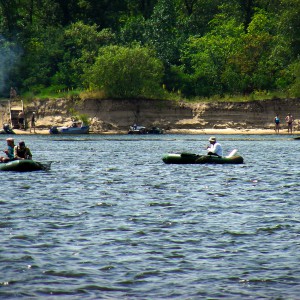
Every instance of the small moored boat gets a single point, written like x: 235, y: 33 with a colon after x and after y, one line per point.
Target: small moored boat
x: 6, y: 130
x: 25, y: 165
x: 155, y: 130
x: 190, y: 158
x: 76, y: 128
x: 136, y: 129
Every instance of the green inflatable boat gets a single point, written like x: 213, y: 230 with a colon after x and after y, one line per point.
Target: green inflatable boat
x: 25, y: 165
x: 190, y: 158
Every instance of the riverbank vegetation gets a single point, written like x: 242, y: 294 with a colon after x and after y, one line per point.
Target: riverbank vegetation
x: 167, y: 49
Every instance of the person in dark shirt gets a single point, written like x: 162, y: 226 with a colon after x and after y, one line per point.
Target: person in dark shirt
x: 22, y: 152
x: 277, y: 122
x: 21, y: 119
x: 32, y: 122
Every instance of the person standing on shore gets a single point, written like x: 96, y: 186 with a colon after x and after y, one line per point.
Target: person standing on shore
x: 277, y: 122
x: 21, y: 120
x: 289, y: 121
x: 32, y: 122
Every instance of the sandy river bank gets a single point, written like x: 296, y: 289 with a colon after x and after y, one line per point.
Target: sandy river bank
x: 230, y: 131
x: 114, y: 116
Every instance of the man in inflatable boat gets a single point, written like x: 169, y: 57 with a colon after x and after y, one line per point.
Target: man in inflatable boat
x: 214, y: 148
x: 9, y: 151
x: 22, y: 152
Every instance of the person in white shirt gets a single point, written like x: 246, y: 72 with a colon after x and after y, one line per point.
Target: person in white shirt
x: 214, y: 148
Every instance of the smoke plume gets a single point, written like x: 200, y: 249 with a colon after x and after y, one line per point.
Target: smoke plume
x: 9, y: 56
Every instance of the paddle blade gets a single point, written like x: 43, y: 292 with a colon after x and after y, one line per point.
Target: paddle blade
x: 232, y: 153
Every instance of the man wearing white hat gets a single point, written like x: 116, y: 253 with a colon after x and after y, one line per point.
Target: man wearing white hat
x: 214, y: 148
x: 9, y: 151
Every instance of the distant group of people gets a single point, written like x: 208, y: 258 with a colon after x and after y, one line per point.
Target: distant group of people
x: 289, y: 119
x: 15, y: 152
x: 21, y: 120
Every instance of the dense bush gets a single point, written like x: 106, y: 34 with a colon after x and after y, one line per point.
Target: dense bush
x: 123, y: 72
x: 196, y: 48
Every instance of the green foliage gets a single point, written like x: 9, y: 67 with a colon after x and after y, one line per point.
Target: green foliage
x: 206, y: 58
x: 162, y: 33
x: 263, y: 54
x: 193, y: 16
x: 295, y: 72
x: 50, y: 92
x: 125, y: 73
x: 84, y: 118
x: 289, y: 23
x: 42, y: 51
x: 81, y: 43
x: 228, y: 60
x: 207, y: 47
x: 133, y: 30
x: 140, y: 7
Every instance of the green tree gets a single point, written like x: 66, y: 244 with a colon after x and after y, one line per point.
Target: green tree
x: 205, y: 59
x: 126, y: 73
x: 294, y: 71
x: 104, y: 13
x: 139, y: 8
x: 22, y: 17
x: 162, y: 34
x: 133, y: 30
x: 8, y: 17
x: 263, y: 54
x: 193, y: 16
x: 207, y: 46
x: 80, y: 48
x: 41, y: 54
x: 289, y: 24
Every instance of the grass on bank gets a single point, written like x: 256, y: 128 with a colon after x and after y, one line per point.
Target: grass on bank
x: 255, y: 96
x: 51, y: 93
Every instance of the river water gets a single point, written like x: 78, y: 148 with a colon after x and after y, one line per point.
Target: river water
x: 110, y: 220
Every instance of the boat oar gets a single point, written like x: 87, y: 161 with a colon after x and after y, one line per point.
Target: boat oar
x: 232, y: 153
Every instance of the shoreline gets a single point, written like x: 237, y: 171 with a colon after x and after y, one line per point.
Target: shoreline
x: 227, y: 131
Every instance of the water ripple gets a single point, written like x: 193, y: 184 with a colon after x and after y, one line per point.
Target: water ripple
x: 111, y: 221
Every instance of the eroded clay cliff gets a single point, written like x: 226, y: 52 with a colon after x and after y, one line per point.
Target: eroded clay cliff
x: 118, y: 115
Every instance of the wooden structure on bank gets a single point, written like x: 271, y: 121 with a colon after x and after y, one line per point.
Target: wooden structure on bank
x: 15, y: 107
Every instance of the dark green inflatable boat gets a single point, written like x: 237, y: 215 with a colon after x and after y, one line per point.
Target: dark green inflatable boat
x: 190, y: 158
x: 25, y: 165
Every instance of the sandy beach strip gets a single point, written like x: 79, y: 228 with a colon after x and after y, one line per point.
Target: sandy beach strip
x: 230, y: 131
